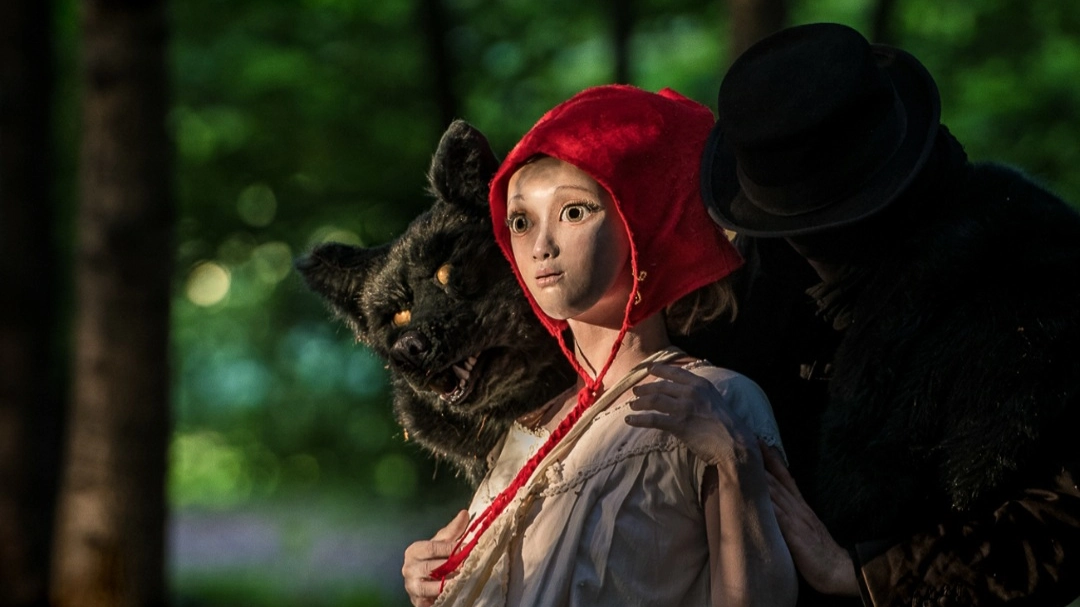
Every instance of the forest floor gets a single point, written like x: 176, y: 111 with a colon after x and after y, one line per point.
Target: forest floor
x: 298, y: 552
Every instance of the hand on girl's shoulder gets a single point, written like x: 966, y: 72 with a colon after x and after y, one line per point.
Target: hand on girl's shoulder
x: 716, y: 412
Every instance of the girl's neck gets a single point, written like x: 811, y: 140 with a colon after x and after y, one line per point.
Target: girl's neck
x: 593, y: 343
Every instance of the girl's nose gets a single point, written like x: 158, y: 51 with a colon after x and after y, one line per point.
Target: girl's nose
x: 544, y: 247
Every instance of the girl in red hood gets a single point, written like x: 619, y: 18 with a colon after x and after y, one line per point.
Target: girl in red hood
x: 644, y: 484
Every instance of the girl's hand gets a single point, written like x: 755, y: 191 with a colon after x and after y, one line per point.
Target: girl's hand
x: 424, y: 556
x: 824, y: 563
x: 691, y: 408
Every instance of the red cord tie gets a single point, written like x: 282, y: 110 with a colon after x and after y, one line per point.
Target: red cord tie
x: 585, y: 398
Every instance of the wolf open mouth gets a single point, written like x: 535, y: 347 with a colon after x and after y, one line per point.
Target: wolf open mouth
x: 457, y: 381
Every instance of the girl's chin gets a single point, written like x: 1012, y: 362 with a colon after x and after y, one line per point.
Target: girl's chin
x: 589, y: 309
x: 559, y: 314
x: 558, y: 310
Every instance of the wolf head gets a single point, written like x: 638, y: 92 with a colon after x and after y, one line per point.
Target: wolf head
x: 440, y: 304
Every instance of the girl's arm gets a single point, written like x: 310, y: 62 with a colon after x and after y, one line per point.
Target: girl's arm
x: 750, y: 563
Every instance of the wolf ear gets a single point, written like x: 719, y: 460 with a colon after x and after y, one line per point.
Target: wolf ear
x: 338, y: 272
x: 462, y: 168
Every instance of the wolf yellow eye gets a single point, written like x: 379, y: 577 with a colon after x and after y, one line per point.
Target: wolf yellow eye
x: 402, y: 318
x: 443, y: 274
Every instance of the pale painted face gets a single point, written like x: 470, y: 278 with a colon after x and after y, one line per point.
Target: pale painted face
x: 569, y: 243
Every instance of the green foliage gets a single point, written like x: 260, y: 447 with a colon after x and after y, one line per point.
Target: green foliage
x: 298, y: 122
x: 295, y: 123
x: 1008, y: 83
x: 303, y: 121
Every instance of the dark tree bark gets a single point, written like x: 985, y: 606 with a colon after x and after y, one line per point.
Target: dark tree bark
x: 110, y: 536
x: 622, y: 19
x: 435, y: 25
x: 752, y: 20
x: 31, y: 398
x: 881, y: 28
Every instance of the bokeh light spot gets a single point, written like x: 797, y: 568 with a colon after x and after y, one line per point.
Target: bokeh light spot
x: 331, y: 233
x: 236, y: 249
x: 240, y: 383
x: 272, y: 261
x: 317, y: 359
x: 205, y: 133
x: 206, y: 470
x: 207, y: 284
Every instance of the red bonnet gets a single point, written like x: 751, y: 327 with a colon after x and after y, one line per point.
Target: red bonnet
x: 645, y: 150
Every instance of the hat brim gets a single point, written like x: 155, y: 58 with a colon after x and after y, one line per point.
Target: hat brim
x: 729, y: 206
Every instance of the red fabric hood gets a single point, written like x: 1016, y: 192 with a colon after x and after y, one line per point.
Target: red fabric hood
x: 645, y: 150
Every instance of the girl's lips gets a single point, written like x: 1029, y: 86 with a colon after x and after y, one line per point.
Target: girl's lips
x: 546, y: 279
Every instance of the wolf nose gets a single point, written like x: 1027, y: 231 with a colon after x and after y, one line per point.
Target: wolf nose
x: 409, y: 349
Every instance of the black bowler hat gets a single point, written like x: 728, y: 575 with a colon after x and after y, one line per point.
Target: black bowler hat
x: 817, y: 129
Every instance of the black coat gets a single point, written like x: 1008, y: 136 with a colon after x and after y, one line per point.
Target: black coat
x: 945, y: 451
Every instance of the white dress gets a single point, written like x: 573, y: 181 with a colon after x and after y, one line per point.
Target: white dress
x: 614, y: 517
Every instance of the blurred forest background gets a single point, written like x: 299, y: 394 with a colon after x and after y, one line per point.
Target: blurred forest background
x: 180, y: 420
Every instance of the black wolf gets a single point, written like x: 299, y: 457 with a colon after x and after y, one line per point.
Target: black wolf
x: 440, y: 304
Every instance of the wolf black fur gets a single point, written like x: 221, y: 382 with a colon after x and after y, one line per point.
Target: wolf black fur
x: 480, y: 312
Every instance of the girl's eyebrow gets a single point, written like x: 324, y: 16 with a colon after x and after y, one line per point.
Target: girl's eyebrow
x: 589, y: 191
x: 576, y: 187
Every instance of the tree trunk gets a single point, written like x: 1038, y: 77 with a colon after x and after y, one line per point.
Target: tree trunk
x: 110, y: 537
x: 622, y: 19
x: 881, y: 30
x: 434, y: 26
x: 31, y: 398
x: 752, y: 20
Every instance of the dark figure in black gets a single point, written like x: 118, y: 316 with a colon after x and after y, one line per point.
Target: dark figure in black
x: 940, y: 464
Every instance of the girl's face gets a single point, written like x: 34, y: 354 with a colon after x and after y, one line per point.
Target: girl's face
x: 569, y: 243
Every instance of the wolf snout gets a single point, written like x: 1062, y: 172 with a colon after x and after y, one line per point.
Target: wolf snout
x: 409, y: 349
